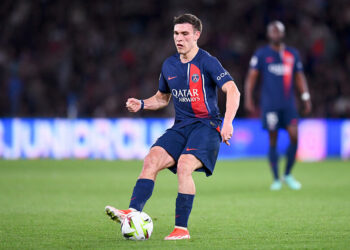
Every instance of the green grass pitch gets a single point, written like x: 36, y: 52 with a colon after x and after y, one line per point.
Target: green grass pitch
x: 47, y: 204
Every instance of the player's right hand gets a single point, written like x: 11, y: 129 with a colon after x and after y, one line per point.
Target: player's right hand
x: 133, y: 105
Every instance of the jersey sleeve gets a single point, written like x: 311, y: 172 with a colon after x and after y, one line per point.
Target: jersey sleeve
x: 298, y: 66
x: 163, y: 85
x: 217, y: 73
x: 256, y: 61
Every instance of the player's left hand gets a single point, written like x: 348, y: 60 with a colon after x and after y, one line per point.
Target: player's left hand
x: 226, y: 132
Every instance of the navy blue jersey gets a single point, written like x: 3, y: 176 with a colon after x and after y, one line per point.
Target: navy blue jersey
x: 193, y: 86
x: 277, y: 71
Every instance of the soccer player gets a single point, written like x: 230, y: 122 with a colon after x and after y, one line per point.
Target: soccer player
x: 281, y: 71
x: 191, y: 77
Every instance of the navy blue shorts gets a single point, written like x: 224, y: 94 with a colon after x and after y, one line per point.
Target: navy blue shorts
x: 197, y: 139
x: 275, y: 119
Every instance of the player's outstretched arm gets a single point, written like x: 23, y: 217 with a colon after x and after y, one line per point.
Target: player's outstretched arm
x: 232, y: 104
x: 249, y: 85
x: 300, y: 82
x: 158, y: 101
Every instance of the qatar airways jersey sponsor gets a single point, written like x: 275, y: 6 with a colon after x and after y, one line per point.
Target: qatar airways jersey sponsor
x: 186, y: 95
x: 193, y: 85
x: 280, y: 69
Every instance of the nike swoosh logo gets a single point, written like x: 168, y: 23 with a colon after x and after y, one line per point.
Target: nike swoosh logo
x: 171, y: 77
x: 190, y: 149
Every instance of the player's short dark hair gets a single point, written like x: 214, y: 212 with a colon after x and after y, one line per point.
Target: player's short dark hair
x: 189, y: 18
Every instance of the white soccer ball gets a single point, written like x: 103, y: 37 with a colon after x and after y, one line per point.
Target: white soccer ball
x: 137, y: 226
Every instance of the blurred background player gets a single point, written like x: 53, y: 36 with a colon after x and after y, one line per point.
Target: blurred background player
x: 281, y: 71
x: 191, y: 76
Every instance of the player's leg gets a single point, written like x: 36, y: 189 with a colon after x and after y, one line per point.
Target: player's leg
x: 273, y: 160
x: 156, y: 160
x: 292, y: 148
x: 273, y: 155
x: 291, y: 154
x: 271, y: 123
x: 186, y: 188
x: 163, y: 154
x: 200, y: 154
x: 187, y: 164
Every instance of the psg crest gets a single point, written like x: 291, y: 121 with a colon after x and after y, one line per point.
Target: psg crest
x: 195, y: 78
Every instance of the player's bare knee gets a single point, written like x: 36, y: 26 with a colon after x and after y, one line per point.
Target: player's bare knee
x: 156, y: 160
x: 184, y: 167
x: 150, y: 164
x: 183, y: 170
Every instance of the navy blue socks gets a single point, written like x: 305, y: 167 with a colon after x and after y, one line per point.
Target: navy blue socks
x: 142, y: 192
x: 291, y: 153
x: 273, y: 159
x: 183, y: 209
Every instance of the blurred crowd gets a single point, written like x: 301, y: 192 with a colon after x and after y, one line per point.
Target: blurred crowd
x: 70, y: 58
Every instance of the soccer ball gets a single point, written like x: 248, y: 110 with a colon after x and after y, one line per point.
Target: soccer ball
x: 137, y: 226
